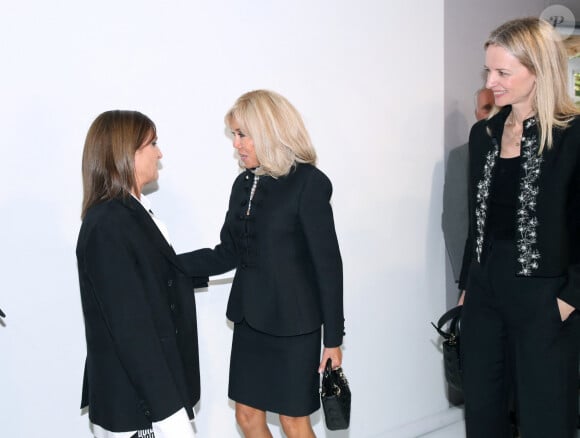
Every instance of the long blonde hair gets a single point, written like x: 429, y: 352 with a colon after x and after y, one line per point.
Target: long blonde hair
x: 539, y: 48
x: 108, y: 166
x: 277, y: 130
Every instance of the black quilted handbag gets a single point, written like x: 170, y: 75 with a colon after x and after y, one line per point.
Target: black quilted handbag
x: 451, y: 359
x: 335, y: 397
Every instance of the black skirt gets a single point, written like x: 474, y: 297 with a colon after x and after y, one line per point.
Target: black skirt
x: 275, y: 373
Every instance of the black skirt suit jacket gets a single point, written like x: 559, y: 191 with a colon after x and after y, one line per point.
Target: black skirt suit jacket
x: 548, y: 209
x: 139, y: 309
x: 288, y: 277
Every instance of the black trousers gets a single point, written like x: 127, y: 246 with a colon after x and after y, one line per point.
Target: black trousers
x: 514, y: 342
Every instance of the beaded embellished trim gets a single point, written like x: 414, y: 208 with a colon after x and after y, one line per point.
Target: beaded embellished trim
x: 252, y: 191
x: 527, y: 222
x: 481, y: 198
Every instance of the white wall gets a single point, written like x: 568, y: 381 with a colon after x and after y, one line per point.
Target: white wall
x: 368, y: 78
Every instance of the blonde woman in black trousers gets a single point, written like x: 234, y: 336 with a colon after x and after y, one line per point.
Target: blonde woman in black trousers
x: 521, y: 273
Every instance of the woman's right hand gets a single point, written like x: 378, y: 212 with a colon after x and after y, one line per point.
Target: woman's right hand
x: 565, y: 309
x: 461, y: 298
x: 334, y: 354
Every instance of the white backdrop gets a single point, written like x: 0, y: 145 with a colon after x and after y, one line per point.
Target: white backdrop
x: 368, y: 79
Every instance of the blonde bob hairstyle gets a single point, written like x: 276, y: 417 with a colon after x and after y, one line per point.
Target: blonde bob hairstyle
x: 277, y: 130
x: 538, y: 47
x: 108, y: 166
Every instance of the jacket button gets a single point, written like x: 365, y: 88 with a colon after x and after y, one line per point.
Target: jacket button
x: 172, y: 306
x: 176, y: 331
x: 170, y: 282
x: 147, y: 413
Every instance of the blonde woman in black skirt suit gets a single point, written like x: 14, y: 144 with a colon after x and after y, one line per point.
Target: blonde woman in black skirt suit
x: 279, y: 235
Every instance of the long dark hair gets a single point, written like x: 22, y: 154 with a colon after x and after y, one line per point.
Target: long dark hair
x: 109, y: 155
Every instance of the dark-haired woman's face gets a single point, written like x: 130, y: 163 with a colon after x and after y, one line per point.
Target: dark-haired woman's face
x: 244, y: 146
x: 146, y: 162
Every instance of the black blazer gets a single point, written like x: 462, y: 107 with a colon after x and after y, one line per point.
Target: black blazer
x: 548, y: 212
x: 288, y: 266
x: 139, y: 309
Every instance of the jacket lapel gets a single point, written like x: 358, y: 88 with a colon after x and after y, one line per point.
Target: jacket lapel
x: 145, y: 221
x: 530, y: 166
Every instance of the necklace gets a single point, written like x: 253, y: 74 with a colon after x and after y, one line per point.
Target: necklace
x: 511, y: 119
x: 516, y: 128
x: 513, y: 135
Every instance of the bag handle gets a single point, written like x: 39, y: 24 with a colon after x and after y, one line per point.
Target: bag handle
x: 452, y: 315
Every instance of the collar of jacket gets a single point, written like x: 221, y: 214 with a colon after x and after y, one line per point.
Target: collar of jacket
x: 496, y: 123
x: 146, y: 222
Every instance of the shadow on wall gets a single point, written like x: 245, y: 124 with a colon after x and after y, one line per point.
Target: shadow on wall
x: 456, y: 129
x: 454, y: 397
x: 433, y: 234
x: 454, y: 214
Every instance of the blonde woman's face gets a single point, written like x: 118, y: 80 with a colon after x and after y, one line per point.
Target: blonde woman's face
x: 244, y: 147
x: 511, y: 82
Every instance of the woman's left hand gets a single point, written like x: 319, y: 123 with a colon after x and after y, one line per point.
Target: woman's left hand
x: 565, y: 309
x: 335, y: 355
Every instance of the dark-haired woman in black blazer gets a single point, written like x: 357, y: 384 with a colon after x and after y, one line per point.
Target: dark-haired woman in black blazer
x: 279, y: 235
x: 142, y: 368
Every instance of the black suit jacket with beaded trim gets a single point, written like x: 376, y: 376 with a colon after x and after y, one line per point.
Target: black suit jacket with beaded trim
x: 142, y: 354
x: 288, y: 277
x: 547, y: 232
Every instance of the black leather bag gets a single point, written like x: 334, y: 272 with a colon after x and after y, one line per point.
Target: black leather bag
x: 451, y: 358
x: 335, y: 397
